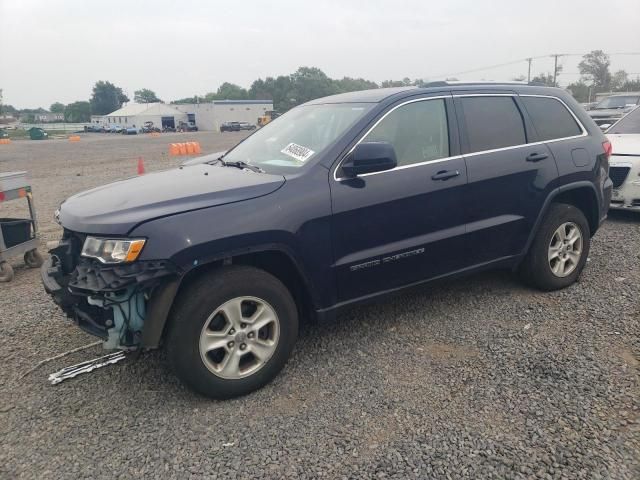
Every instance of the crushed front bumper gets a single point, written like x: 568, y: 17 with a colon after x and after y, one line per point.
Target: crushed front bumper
x: 625, y: 174
x: 111, y: 302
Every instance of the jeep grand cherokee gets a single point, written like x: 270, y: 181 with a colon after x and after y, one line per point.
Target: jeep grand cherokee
x: 337, y: 202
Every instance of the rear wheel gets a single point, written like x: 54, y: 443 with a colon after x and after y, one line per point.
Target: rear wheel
x: 231, y: 332
x: 560, y: 249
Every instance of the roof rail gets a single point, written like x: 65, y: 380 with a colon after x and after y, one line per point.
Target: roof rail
x: 452, y: 83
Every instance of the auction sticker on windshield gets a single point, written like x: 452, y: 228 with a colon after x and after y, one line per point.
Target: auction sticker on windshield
x: 298, y: 152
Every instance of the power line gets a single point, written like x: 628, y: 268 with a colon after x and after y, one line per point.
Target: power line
x: 527, y: 59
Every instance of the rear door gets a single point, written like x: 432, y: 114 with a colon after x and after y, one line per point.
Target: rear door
x: 404, y: 225
x: 509, y: 174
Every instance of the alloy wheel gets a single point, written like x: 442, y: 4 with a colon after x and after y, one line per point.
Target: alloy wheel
x: 239, y: 337
x: 565, y: 249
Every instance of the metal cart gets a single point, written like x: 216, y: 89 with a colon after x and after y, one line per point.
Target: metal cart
x: 14, y: 186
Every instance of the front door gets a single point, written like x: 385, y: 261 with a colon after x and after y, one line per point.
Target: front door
x: 404, y: 225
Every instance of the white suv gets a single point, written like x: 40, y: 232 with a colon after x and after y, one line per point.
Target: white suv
x: 624, y: 166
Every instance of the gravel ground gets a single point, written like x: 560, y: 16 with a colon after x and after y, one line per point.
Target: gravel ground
x: 473, y: 378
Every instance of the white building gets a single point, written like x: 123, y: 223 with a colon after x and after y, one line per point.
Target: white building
x: 210, y: 115
x: 136, y: 114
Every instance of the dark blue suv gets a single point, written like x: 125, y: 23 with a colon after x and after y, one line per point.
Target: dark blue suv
x: 339, y: 201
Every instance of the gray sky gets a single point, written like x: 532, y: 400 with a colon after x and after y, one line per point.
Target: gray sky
x: 54, y: 50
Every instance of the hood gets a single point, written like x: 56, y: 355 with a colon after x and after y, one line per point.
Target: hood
x: 116, y: 208
x: 625, y: 144
x: 607, y: 112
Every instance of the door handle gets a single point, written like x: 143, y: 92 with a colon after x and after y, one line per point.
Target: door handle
x: 536, y: 157
x: 445, y: 175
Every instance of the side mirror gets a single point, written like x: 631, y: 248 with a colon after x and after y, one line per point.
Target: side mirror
x: 604, y: 126
x: 369, y: 157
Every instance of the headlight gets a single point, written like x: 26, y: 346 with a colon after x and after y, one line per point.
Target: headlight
x: 112, y: 250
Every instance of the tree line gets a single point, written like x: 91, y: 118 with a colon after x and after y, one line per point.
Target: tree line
x: 308, y: 83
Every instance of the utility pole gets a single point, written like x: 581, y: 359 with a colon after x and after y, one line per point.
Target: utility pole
x: 529, y: 71
x: 555, y: 69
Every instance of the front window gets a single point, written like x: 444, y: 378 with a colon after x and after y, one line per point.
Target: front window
x: 628, y: 124
x: 296, y: 138
x: 418, y: 132
x: 619, y: 101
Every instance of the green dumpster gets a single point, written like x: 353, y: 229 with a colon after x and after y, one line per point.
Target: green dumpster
x: 3, y: 133
x: 37, y: 133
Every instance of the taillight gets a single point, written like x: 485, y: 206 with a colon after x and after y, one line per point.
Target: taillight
x: 608, y: 148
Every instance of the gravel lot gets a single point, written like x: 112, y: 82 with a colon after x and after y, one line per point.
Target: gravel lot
x: 473, y: 378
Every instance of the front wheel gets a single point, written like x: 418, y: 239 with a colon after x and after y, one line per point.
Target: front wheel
x: 560, y: 249
x: 232, y: 331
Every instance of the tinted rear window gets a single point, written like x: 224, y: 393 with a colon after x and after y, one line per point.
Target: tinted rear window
x: 492, y: 122
x: 551, y: 118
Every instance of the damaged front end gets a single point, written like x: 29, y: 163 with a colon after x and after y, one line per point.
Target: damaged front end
x: 125, y: 304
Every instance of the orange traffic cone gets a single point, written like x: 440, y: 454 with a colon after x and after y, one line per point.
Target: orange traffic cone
x: 190, y: 148
x: 198, y: 150
x: 140, y: 166
x: 174, y: 149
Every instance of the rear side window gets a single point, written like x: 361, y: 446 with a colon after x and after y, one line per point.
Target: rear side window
x: 551, y: 118
x: 492, y: 122
x: 418, y: 131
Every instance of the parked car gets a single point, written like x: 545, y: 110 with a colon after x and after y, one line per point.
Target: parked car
x: 94, y: 127
x: 148, y: 127
x: 132, y: 130
x: 624, y: 168
x: 230, y: 127
x: 341, y: 201
x: 113, y: 128
x: 168, y: 129
x: 187, y: 127
x: 4, y: 133
x: 246, y: 126
x: 613, y: 108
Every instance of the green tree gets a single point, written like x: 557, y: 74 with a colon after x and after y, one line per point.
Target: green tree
x: 544, y: 79
x: 629, y: 86
x: 308, y: 83
x: 145, y: 96
x: 193, y: 99
x: 77, y: 112
x: 594, y: 67
x: 347, y: 84
x: 392, y: 83
x: 579, y: 90
x: 106, y: 98
x: 56, y: 107
x: 619, y: 80
x: 227, y: 91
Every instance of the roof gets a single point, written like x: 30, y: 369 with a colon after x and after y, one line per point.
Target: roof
x: 378, y: 95
x: 362, y: 96
x: 135, y: 109
x: 229, y: 102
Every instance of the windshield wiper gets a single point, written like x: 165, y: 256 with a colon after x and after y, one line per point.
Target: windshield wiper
x: 241, y: 165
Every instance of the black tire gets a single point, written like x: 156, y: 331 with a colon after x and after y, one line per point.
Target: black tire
x: 536, y: 269
x: 33, y: 259
x: 200, y: 299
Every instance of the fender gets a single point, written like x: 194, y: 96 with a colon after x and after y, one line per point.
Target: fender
x: 545, y: 207
x: 163, y: 296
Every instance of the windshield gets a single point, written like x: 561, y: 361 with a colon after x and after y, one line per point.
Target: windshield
x: 619, y: 101
x: 295, y: 138
x: 627, y: 124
